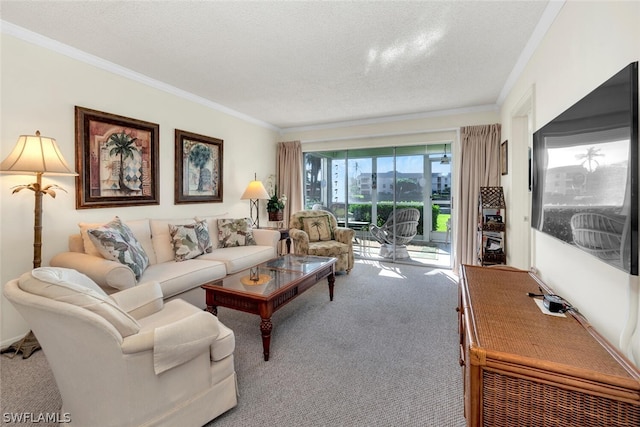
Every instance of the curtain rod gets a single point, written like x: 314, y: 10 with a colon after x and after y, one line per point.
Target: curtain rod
x: 378, y: 135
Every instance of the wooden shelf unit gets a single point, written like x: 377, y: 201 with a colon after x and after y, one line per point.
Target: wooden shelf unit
x: 492, y: 226
x: 522, y: 367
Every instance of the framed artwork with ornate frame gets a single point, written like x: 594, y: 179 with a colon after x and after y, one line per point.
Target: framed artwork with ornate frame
x: 198, y: 168
x: 116, y: 159
x: 504, y: 158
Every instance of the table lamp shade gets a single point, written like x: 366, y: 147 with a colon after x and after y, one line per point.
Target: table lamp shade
x: 255, y: 190
x: 36, y: 154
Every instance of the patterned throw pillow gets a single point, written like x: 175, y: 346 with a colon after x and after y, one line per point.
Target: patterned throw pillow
x: 317, y: 227
x: 235, y: 232
x: 116, y: 242
x: 185, y: 242
x: 190, y: 240
x: 204, y: 239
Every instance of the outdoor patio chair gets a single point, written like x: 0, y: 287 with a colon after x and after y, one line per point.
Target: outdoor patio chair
x: 598, y: 235
x: 399, y: 230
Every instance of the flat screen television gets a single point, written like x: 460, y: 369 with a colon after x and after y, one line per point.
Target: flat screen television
x: 584, y: 173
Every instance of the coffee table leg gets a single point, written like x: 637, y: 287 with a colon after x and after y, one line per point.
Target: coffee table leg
x: 265, y: 328
x: 213, y: 309
x: 332, y: 279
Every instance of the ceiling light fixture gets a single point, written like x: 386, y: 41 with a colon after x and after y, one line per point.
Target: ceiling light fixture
x: 444, y: 160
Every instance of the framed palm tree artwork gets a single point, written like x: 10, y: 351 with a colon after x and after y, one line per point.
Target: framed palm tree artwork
x: 198, y: 168
x: 116, y: 159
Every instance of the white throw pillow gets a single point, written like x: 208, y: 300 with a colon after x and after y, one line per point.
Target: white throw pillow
x: 72, y: 287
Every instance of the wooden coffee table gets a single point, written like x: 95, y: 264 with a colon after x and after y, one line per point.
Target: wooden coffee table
x: 267, y: 287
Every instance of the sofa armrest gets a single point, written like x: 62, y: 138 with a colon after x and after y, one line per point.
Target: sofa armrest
x: 141, y: 300
x: 264, y: 237
x: 344, y: 235
x: 104, y: 272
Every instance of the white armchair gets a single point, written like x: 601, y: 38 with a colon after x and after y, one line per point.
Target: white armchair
x: 127, y: 359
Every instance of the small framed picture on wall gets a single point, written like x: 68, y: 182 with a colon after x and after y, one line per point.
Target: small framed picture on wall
x: 504, y: 158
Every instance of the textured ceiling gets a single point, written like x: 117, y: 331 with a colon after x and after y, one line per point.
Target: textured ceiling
x: 302, y: 63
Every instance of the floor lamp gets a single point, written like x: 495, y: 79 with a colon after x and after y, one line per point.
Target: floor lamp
x: 254, y: 192
x: 39, y: 155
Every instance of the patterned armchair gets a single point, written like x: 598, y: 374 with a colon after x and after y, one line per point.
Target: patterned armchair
x: 316, y: 232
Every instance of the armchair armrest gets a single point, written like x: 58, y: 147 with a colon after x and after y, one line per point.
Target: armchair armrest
x: 176, y: 342
x: 180, y: 341
x: 140, y: 301
x: 300, y: 241
x: 104, y: 272
x: 344, y: 235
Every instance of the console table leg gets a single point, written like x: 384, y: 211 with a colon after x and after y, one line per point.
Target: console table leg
x: 213, y: 309
x: 265, y: 328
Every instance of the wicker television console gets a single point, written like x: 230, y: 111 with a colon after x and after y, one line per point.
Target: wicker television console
x: 522, y: 367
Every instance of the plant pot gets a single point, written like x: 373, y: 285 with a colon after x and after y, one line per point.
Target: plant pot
x: 275, y: 216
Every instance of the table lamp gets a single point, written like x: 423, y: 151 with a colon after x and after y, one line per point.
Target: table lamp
x: 254, y: 192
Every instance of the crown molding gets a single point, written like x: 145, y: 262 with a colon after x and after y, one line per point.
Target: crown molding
x: 387, y: 119
x: 547, y: 18
x: 77, y: 54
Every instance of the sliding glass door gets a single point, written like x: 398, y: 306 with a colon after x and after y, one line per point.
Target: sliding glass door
x: 366, y: 188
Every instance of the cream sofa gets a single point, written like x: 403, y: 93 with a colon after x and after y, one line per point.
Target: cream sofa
x: 177, y: 279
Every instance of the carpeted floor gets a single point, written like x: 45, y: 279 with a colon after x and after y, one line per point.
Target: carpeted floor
x: 383, y: 353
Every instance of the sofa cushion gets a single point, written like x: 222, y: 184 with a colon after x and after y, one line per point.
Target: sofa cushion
x: 89, y: 247
x: 318, y: 228
x: 115, y: 241
x: 178, y: 277
x: 241, y: 257
x: 235, y: 232
x: 72, y: 287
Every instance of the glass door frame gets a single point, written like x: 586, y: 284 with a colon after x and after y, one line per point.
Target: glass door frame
x: 430, y: 152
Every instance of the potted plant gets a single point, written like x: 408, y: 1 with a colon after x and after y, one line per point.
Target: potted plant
x: 275, y: 205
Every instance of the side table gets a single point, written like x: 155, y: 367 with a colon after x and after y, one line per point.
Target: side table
x: 284, y: 235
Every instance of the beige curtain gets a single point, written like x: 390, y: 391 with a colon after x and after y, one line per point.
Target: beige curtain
x: 479, y: 167
x: 289, y: 172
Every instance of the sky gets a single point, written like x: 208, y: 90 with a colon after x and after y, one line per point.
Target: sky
x: 612, y: 152
x: 405, y: 164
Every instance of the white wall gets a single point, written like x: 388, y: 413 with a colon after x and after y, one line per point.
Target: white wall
x: 587, y: 43
x: 40, y: 88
